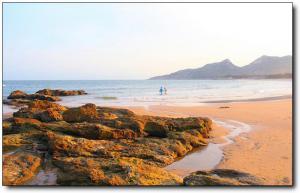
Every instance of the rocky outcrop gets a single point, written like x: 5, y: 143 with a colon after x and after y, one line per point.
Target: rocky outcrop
x: 222, y: 177
x: 113, y: 172
x: 22, y: 95
x: 86, y: 113
x: 19, y: 168
x: 92, y: 145
x: 17, y: 94
x: 42, y: 97
x: 61, y: 92
x: 42, y: 110
x: 19, y: 98
x: 16, y: 102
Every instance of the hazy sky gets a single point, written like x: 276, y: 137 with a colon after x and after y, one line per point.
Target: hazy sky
x: 137, y: 41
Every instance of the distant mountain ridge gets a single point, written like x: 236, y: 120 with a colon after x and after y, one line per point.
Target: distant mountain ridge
x: 262, y: 67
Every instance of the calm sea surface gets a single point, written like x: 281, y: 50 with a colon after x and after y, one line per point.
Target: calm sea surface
x: 146, y: 92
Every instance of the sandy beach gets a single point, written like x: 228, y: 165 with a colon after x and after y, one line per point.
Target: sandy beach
x: 266, y: 151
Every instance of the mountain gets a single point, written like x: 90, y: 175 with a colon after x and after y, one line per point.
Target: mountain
x: 263, y: 67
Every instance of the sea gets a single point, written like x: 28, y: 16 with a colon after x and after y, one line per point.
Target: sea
x: 146, y: 92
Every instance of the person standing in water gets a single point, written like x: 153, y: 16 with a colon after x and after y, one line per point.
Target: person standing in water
x: 161, y: 90
x: 165, y: 89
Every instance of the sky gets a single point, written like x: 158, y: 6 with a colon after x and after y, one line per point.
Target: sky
x: 58, y: 41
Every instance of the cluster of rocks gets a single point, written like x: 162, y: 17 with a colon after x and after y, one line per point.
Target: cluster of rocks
x: 19, y: 98
x: 92, y: 145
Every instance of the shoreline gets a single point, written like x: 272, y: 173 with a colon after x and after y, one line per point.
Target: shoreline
x: 266, y: 151
x: 210, y: 156
x: 252, y: 100
x: 200, y: 104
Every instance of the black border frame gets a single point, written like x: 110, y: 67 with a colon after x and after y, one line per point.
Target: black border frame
x: 294, y: 70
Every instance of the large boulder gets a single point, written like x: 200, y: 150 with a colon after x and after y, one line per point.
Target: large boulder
x: 19, y: 168
x: 221, y: 177
x: 85, y: 113
x: 17, y: 94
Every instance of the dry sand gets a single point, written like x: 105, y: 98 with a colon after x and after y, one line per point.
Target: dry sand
x: 266, y: 151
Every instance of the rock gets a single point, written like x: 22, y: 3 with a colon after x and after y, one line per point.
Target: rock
x: 221, y: 177
x: 121, y: 119
x: 27, y: 97
x: 42, y: 110
x: 86, y: 113
x: 159, y: 152
x: 20, y: 125
x: 19, y: 168
x: 50, y: 115
x: 43, y: 105
x: 91, y: 130
x: 16, y: 102
x: 98, y: 131
x: 110, y: 133
x: 114, y: 172
x: 61, y: 92
x: 192, y: 138
x: 25, y: 140
x: 42, y: 97
x: 155, y: 129
x: 19, y: 98
x: 64, y: 145
x: 101, y: 145
x: 161, y: 126
x: 7, y: 127
x: 17, y: 94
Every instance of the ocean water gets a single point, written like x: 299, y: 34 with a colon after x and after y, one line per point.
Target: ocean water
x: 146, y: 92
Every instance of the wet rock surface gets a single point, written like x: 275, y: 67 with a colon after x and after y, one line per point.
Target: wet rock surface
x: 222, y: 177
x: 19, y: 167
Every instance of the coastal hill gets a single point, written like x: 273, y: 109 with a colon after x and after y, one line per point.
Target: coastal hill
x: 263, y: 67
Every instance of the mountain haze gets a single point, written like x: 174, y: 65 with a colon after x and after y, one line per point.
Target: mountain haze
x: 263, y: 67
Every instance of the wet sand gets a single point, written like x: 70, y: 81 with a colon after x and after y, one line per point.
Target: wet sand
x: 266, y: 151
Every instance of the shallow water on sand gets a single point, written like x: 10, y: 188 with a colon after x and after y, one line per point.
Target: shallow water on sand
x: 210, y: 156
